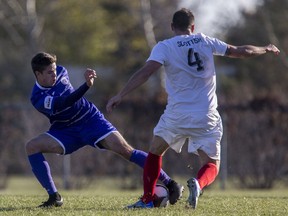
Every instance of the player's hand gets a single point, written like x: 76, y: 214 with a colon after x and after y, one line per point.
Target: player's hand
x: 272, y: 48
x: 90, y: 75
x: 113, y: 102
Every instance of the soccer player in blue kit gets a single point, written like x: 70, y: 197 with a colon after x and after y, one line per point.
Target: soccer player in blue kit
x: 75, y: 123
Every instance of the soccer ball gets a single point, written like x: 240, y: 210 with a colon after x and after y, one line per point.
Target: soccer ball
x: 161, y: 196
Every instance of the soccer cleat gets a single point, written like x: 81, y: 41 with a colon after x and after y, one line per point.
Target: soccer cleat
x: 55, y: 200
x: 175, y: 191
x: 141, y: 204
x: 194, y: 192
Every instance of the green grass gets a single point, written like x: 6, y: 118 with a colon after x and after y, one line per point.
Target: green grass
x: 104, y: 198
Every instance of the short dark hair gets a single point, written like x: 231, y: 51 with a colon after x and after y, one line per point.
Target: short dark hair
x: 41, y: 60
x: 183, y: 19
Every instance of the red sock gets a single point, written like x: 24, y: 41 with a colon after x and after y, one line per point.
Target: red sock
x: 151, y: 173
x: 207, y: 174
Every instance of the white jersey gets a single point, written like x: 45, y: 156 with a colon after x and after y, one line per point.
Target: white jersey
x: 190, y: 72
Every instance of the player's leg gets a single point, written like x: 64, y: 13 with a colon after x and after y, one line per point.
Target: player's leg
x: 174, y: 188
x: 116, y: 143
x: 151, y: 173
x: 40, y: 167
x: 209, y: 170
x: 210, y: 150
x: 207, y: 144
x: 164, y: 137
x: 109, y: 138
x: 106, y: 136
x: 152, y: 167
x: 205, y: 176
x: 43, y: 143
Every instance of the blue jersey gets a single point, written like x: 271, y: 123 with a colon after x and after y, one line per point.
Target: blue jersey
x: 43, y: 99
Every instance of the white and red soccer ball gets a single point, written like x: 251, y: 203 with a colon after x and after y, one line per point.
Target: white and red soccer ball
x: 161, y: 196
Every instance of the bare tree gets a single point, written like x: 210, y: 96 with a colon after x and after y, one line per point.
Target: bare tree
x: 21, y: 23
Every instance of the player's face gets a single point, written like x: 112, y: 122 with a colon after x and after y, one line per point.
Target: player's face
x: 48, y: 76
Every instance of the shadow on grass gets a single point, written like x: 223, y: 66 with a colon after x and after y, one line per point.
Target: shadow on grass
x: 74, y: 209
x: 3, y: 209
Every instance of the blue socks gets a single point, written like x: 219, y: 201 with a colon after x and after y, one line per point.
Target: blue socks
x: 138, y: 157
x: 41, y: 170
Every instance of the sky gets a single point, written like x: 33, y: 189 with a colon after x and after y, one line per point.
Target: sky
x: 211, y: 14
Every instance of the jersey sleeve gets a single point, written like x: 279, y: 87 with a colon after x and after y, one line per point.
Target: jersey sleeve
x: 218, y: 47
x: 63, y: 102
x: 49, y: 105
x: 158, y: 53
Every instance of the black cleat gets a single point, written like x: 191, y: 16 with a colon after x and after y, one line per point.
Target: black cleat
x: 175, y: 191
x: 55, y: 200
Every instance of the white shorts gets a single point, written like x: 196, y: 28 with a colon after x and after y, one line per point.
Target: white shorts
x: 201, y: 130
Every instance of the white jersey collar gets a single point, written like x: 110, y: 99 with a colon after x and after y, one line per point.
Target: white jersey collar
x: 41, y: 87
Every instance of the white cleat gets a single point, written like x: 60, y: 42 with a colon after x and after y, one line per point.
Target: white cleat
x: 194, y: 192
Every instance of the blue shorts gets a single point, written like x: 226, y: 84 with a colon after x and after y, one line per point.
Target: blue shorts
x: 89, y: 132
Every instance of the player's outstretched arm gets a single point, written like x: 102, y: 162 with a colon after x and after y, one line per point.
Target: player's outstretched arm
x: 137, y: 79
x: 62, y: 102
x: 246, y: 51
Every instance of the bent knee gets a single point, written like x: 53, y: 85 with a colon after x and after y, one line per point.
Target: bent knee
x: 32, y: 147
x: 29, y: 147
x: 159, y: 146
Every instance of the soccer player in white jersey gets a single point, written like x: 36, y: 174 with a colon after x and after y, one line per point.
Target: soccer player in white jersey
x: 75, y: 122
x: 191, y: 112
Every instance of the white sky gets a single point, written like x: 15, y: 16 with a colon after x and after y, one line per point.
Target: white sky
x: 211, y: 14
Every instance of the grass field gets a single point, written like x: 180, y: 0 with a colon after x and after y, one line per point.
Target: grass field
x: 104, y: 198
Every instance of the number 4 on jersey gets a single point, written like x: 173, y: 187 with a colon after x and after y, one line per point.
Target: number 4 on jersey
x: 198, y: 62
